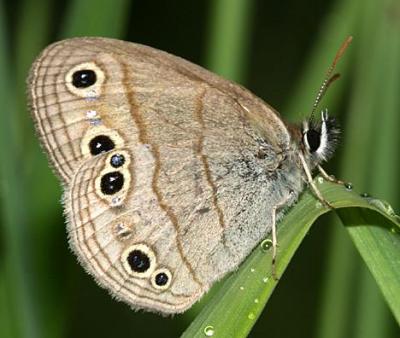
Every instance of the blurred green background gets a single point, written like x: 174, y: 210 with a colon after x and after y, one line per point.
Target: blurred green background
x: 278, y: 49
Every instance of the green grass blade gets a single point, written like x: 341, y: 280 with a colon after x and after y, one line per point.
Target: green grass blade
x: 379, y: 246
x: 229, y: 37
x: 374, y: 102
x: 237, y: 305
x: 32, y: 34
x: 339, y: 24
x: 336, y: 287
x: 381, y: 109
x: 96, y: 18
x: 15, y: 269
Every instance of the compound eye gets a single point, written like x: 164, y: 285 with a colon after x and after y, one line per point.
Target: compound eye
x: 312, y: 140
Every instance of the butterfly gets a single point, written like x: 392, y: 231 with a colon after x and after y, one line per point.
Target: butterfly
x: 171, y: 174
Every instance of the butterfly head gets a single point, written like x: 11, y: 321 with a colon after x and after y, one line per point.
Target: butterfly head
x: 320, y: 138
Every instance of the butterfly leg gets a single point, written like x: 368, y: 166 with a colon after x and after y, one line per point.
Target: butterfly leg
x: 274, y: 243
x: 328, y: 177
x: 273, y: 233
x: 312, y: 183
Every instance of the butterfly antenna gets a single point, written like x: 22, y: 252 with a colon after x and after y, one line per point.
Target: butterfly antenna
x: 329, y: 78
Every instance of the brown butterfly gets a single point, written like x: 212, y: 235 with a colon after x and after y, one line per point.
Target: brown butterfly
x: 172, y: 175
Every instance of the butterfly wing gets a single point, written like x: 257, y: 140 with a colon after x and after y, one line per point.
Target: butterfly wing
x: 194, y: 193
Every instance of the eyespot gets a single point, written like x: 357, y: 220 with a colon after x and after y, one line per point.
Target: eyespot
x: 111, y: 182
x: 84, y: 78
x: 125, y: 226
x: 139, y: 260
x: 100, y: 144
x: 123, y: 231
x: 312, y: 139
x: 161, y: 279
x: 111, y: 185
x: 99, y: 139
x: 117, y: 160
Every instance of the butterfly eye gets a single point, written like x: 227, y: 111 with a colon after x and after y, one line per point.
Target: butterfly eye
x: 312, y: 140
x: 84, y: 78
x: 111, y: 183
x: 161, y: 279
x: 100, y: 144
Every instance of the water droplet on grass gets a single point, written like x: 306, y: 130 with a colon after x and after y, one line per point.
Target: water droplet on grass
x: 251, y: 316
x: 348, y: 186
x: 209, y: 331
x: 266, y: 245
x: 382, y: 205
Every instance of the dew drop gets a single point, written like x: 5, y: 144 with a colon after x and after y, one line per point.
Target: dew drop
x: 320, y: 180
x: 382, y: 205
x: 256, y: 300
x: 241, y: 288
x: 266, y: 245
x: 318, y: 205
x: 265, y: 279
x: 365, y: 195
x: 209, y: 331
x: 393, y: 230
x: 252, y: 270
x: 251, y: 316
x: 348, y: 186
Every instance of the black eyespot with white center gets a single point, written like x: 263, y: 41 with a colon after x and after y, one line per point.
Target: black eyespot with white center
x: 100, y: 144
x: 111, y: 183
x: 138, y: 261
x: 117, y: 160
x: 84, y: 78
x: 313, y: 139
x: 161, y: 279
